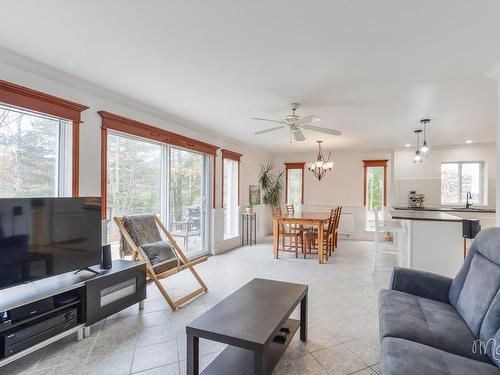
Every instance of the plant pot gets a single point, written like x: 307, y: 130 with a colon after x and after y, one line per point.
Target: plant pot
x: 249, y: 210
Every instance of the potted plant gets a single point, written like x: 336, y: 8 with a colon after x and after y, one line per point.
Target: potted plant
x: 249, y: 208
x: 271, y: 184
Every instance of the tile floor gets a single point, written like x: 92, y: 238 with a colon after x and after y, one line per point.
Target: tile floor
x: 343, y: 319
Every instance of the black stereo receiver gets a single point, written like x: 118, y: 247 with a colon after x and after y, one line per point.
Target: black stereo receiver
x: 19, y: 338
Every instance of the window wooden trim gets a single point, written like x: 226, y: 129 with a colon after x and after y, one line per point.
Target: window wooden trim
x: 104, y: 173
x: 375, y: 163
x: 140, y: 129
x: 289, y: 166
x: 129, y: 126
x: 36, y: 101
x: 227, y: 154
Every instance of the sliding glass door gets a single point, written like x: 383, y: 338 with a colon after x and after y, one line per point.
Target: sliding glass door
x: 187, y: 199
x: 149, y: 177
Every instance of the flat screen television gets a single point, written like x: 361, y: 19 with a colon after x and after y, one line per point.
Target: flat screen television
x: 42, y: 237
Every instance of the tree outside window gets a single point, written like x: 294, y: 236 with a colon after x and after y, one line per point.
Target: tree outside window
x: 33, y: 161
x: 375, y: 194
x: 460, y: 178
x: 294, y: 181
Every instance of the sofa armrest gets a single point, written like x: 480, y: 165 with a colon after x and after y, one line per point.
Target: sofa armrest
x: 420, y: 283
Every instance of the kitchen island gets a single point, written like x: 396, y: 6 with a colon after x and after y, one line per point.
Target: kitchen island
x: 486, y: 215
x: 432, y: 241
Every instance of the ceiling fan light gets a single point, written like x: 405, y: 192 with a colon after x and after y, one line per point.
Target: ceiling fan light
x: 329, y: 165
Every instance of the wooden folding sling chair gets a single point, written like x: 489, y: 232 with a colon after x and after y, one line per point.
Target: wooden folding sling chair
x: 163, y: 268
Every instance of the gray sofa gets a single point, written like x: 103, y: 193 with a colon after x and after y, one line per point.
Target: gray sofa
x: 431, y: 324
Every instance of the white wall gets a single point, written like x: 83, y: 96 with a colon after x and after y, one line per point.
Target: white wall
x: 39, y: 77
x: 343, y: 186
x: 425, y: 177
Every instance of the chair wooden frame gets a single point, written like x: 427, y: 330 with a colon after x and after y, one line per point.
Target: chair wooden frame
x: 153, y: 277
x: 294, y: 233
x: 328, y: 237
x: 336, y: 228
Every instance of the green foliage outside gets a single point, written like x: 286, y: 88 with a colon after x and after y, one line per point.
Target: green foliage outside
x: 185, y: 181
x: 134, y: 176
x: 375, y: 188
x: 135, y: 179
x: 28, y: 154
x: 294, y: 186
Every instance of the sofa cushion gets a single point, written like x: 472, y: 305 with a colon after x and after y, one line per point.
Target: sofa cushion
x: 401, y: 356
x: 486, y: 243
x: 426, y: 321
x: 480, y: 287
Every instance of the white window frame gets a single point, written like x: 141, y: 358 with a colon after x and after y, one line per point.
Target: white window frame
x: 64, y: 162
x: 231, y: 212
x: 380, y: 213
x: 482, y: 196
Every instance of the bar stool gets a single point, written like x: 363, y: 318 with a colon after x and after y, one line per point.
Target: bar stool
x: 384, y: 247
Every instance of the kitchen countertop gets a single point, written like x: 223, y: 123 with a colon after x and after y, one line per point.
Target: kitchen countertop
x: 423, y: 215
x: 447, y: 209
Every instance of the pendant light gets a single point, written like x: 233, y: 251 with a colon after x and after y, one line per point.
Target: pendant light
x: 418, y: 155
x: 424, y: 150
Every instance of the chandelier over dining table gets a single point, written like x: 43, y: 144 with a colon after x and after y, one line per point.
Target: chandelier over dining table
x: 321, y: 166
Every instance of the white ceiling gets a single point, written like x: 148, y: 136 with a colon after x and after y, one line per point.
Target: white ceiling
x: 371, y: 69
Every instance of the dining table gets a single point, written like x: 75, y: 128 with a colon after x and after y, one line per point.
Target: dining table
x: 301, y: 218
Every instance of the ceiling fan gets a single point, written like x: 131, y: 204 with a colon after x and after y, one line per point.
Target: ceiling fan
x: 296, y: 124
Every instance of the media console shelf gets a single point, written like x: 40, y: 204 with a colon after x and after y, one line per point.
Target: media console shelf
x: 59, y: 306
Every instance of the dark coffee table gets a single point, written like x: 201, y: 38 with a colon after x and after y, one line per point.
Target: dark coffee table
x: 248, y: 320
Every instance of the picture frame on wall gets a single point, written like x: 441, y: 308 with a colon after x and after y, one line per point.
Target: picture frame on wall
x: 254, y: 195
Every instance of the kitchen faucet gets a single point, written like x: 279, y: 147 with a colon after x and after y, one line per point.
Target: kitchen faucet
x: 468, y: 196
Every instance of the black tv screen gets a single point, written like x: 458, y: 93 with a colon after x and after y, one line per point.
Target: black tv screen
x: 42, y: 237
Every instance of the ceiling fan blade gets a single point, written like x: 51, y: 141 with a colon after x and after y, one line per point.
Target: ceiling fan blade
x: 298, y: 135
x: 266, y: 119
x: 322, y: 130
x: 309, y: 119
x: 269, y: 130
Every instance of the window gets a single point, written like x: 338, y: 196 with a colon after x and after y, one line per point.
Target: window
x: 375, y: 190
x: 138, y: 173
x: 133, y: 180
x: 34, y: 161
x: 294, y: 181
x: 230, y: 192
x: 460, y: 178
x: 39, y: 143
x: 141, y: 173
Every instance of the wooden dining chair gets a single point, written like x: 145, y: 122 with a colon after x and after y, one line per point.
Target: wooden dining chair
x: 336, y: 229
x: 294, y: 234
x: 311, y: 237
